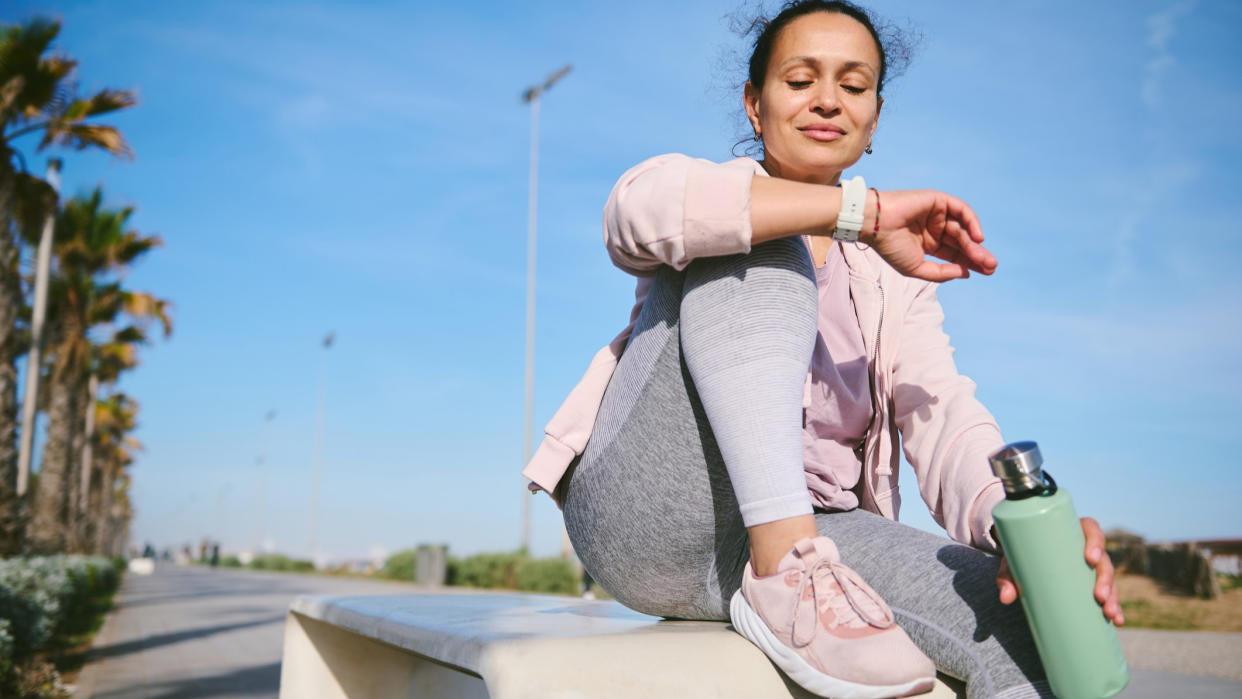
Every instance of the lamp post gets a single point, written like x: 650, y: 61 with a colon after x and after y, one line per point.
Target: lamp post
x: 531, y: 97
x: 261, y: 465
x: 323, y: 370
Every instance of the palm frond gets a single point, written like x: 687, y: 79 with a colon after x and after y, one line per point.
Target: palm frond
x: 9, y: 92
x: 145, y: 307
x: 101, y: 102
x: 82, y: 136
x: 38, y: 93
x: 33, y: 200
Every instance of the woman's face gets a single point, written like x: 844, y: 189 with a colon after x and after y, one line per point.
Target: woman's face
x: 818, y: 107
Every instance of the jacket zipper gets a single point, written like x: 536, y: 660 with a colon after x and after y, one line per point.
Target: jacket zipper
x: 878, y: 368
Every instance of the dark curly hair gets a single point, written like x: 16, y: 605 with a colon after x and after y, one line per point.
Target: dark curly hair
x: 893, y: 44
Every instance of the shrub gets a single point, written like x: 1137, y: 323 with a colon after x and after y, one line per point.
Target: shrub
x: 40, y: 589
x: 39, y: 598
x: 402, y: 565
x: 231, y: 562
x: 554, y: 575
x: 515, y: 570
x: 276, y: 561
x: 7, y: 652
x: 489, y: 570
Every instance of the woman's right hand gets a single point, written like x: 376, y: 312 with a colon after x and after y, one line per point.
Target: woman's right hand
x: 920, y: 222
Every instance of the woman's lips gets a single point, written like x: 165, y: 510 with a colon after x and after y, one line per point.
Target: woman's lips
x: 822, y: 133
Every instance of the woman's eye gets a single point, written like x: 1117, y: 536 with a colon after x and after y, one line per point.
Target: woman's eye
x: 798, y: 84
x: 854, y: 89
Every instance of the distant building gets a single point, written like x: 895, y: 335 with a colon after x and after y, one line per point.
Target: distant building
x: 1225, y: 554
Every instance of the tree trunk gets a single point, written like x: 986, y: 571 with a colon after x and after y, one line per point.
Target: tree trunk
x: 75, y: 518
x: 118, y: 530
x: 87, y: 479
x: 102, y: 505
x: 10, y: 304
x: 48, y: 532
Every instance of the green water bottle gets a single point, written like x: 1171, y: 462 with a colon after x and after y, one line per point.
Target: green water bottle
x: 1044, y: 544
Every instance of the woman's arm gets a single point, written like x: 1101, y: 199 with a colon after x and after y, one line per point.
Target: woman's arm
x: 672, y: 208
x: 946, y: 433
x: 913, y: 223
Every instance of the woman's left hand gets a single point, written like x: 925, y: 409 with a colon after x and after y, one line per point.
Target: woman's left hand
x: 1105, y: 590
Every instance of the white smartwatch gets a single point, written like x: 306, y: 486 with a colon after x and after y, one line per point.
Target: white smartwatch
x: 853, y: 204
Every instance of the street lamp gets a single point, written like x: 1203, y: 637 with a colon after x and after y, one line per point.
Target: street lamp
x: 323, y: 370
x: 261, y: 465
x: 531, y: 97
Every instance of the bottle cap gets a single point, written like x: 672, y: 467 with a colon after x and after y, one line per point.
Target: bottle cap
x: 1019, y: 466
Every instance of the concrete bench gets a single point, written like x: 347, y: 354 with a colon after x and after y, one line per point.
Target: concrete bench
x: 508, y: 645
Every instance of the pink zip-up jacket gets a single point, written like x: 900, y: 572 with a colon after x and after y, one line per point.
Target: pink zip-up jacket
x: 672, y: 209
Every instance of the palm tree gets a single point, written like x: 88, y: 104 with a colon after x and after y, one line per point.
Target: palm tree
x: 91, y: 243
x: 37, y: 96
x: 96, y: 483
x: 115, y: 418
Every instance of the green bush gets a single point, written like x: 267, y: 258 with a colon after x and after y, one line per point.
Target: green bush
x: 515, y: 570
x: 41, y: 598
x: 402, y: 565
x: 231, y: 562
x: 281, y: 562
x: 489, y: 570
x: 555, y: 575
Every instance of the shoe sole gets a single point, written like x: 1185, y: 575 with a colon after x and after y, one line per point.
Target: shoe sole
x: 748, y: 623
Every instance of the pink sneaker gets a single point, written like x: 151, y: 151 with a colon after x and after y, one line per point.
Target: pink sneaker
x: 827, y: 629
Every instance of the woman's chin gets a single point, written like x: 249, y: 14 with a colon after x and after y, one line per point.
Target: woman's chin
x: 812, y: 167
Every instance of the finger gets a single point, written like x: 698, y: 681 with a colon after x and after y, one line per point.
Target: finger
x: 950, y: 252
x: 1005, y: 584
x: 935, y: 272
x: 981, y: 259
x: 1104, y: 581
x: 1112, y: 608
x: 955, y: 235
x: 969, y: 234
x: 937, y: 216
x: 1095, y: 540
x: 961, y: 211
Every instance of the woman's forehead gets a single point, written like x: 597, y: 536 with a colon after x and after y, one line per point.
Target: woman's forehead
x: 821, y: 37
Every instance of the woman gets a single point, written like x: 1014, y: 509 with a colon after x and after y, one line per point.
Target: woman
x: 743, y: 431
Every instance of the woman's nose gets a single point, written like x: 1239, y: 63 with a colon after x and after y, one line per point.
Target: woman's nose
x: 826, y: 100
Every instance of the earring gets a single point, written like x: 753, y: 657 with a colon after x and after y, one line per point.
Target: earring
x: 757, y: 136
x: 867, y: 150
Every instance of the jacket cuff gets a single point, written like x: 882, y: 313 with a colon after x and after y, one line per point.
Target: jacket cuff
x: 717, y: 210
x: 548, y: 464
x: 981, y: 517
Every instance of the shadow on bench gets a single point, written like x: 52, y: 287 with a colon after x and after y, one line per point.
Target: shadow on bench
x: 505, y: 646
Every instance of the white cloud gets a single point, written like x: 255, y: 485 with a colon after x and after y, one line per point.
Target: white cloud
x: 1161, y: 27
x: 1141, y: 214
x: 1185, y: 348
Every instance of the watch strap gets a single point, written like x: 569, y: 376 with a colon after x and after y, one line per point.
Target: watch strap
x: 853, y: 205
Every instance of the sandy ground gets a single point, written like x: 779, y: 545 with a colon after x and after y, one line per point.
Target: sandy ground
x: 1147, y: 604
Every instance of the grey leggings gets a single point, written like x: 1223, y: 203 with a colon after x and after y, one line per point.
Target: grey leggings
x: 654, y: 518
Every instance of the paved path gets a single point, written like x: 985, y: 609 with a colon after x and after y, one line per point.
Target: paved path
x: 197, y: 632
x: 189, y: 632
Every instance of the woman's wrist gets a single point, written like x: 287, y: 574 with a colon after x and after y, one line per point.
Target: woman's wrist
x: 871, y: 218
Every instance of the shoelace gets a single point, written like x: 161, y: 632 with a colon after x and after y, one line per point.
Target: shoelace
x: 856, y: 592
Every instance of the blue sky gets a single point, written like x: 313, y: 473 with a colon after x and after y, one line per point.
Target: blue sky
x: 362, y: 169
